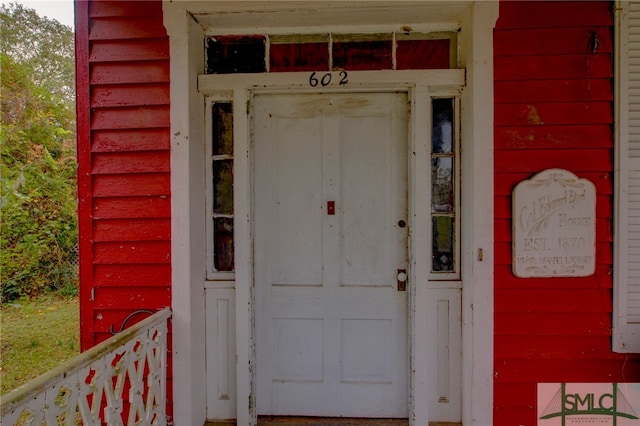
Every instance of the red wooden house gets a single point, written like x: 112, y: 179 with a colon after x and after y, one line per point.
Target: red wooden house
x: 323, y: 193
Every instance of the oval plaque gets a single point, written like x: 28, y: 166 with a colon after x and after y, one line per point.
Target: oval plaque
x: 554, y: 226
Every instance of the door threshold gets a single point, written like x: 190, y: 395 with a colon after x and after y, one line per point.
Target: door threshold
x: 328, y: 421
x: 325, y: 421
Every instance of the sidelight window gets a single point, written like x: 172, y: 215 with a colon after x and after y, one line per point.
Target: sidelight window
x: 444, y: 186
x: 220, y: 182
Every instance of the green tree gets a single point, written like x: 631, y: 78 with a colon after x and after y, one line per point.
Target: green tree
x: 38, y: 225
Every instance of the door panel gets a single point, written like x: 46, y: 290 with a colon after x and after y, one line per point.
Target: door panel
x: 297, y: 225
x: 331, y: 327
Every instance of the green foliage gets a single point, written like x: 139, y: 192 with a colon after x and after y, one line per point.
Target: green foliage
x: 38, y: 225
x: 44, y: 45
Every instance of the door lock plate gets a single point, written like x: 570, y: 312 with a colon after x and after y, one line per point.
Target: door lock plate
x: 402, y: 279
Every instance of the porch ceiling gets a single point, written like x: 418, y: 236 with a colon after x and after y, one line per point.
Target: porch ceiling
x: 227, y: 16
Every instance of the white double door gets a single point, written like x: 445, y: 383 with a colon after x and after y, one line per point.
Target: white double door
x: 330, y: 248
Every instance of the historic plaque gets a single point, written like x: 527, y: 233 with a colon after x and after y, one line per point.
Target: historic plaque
x: 554, y: 226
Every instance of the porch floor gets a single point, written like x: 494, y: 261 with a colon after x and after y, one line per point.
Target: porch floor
x: 326, y: 421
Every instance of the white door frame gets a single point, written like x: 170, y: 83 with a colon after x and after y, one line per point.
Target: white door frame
x: 476, y: 20
x: 420, y: 86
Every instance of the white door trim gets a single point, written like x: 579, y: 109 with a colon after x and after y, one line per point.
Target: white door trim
x: 421, y: 86
x: 476, y: 20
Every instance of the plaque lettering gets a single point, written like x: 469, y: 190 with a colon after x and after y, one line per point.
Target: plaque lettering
x: 554, y: 226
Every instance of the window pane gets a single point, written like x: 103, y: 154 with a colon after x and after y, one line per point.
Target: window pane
x: 223, y: 187
x: 442, y: 190
x: 223, y: 240
x: 363, y: 52
x: 423, y: 54
x: 299, y: 53
x: 299, y: 57
x: 222, y: 128
x: 442, y: 132
x: 443, y: 244
x: 235, y: 54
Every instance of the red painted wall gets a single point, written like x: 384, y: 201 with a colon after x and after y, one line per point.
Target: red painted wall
x: 553, y: 108
x: 123, y: 151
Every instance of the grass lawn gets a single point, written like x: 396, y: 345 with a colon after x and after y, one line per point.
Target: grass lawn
x: 36, y: 335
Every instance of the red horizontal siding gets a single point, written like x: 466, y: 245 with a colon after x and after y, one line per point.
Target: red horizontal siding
x: 546, y: 324
x: 128, y: 185
x: 132, y: 252
x: 130, y: 95
x: 132, y: 230
x: 554, y: 347
x: 129, y: 50
x: 131, y: 162
x: 554, y: 90
x: 131, y: 185
x: 544, y: 67
x: 546, y: 136
x: 553, y: 113
x: 552, y: 300
x: 125, y: 190
x: 131, y: 207
x: 149, y: 275
x: 553, y: 109
x: 533, y: 371
x: 129, y: 72
x: 554, y: 14
x: 132, y: 298
x: 116, y: 28
x: 130, y: 118
x: 111, y: 140
x: 524, y: 42
x: 118, y: 8
x: 535, y: 160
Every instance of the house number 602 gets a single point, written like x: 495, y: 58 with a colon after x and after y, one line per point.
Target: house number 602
x: 325, y: 79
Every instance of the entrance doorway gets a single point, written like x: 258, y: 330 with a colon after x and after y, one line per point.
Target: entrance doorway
x: 331, y: 254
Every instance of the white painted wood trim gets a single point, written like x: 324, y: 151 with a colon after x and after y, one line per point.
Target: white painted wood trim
x: 476, y: 55
x: 422, y: 85
x: 187, y: 225
x: 419, y: 250
x: 363, y: 80
x: 242, y: 193
x: 221, y: 362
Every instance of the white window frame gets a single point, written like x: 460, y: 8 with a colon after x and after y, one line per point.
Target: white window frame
x: 186, y: 33
x: 454, y: 275
x: 626, y: 333
x: 212, y: 273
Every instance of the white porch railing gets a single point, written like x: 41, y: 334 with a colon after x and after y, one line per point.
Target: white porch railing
x: 120, y: 381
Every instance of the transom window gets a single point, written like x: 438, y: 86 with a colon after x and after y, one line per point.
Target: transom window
x: 326, y: 52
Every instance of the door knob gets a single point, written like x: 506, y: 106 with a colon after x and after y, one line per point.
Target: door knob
x: 402, y: 279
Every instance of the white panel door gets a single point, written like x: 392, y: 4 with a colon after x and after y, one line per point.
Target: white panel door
x: 330, y: 213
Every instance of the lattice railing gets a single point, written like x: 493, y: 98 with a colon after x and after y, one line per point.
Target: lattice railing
x: 121, y: 381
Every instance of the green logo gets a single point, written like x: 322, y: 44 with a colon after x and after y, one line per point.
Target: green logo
x: 614, y: 405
